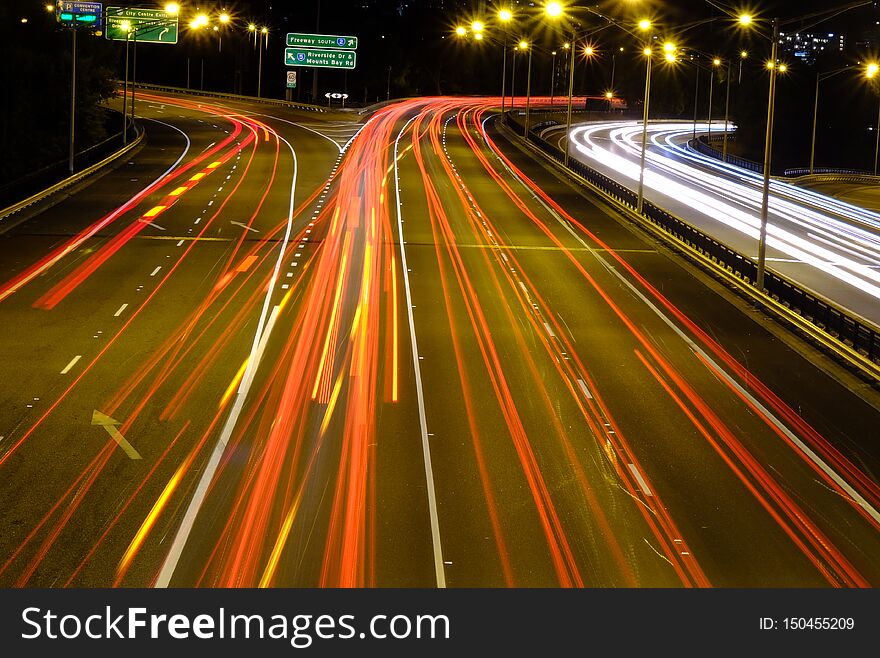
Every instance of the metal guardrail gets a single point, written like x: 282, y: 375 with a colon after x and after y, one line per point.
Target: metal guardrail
x: 7, y: 213
x: 701, y: 145
x: 235, y: 97
x: 803, y: 176
x: 799, y: 176
x: 848, y: 336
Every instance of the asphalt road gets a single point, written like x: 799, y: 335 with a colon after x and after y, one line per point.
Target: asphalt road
x: 826, y: 244
x: 424, y: 361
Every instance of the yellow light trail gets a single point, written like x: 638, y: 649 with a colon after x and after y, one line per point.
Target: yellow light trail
x: 144, y: 530
x: 234, y: 384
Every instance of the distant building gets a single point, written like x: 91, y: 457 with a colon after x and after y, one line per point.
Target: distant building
x: 807, y: 45
x: 868, y: 40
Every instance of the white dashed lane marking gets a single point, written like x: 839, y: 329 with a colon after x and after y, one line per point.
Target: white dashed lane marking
x: 70, y: 365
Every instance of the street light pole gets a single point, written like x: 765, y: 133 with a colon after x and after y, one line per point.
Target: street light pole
x: 72, y: 100
x: 513, y: 79
x: 260, y: 68
x: 572, y: 47
x: 504, y: 72
x: 877, y: 145
x: 641, y: 200
x: 528, y: 92
x: 726, y: 115
x: 696, y: 97
x: 611, y: 86
x: 711, y: 91
x: 768, y: 150
x: 815, y: 121
x: 553, y: 79
x: 125, y: 94
x: 134, y: 61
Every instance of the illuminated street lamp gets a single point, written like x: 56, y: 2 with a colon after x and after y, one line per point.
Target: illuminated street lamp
x: 172, y: 8
x: 505, y: 16
x: 553, y: 9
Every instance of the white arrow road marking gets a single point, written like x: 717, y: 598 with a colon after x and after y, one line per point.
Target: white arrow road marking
x: 109, y: 424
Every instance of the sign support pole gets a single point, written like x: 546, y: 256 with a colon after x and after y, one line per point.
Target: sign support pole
x: 134, y: 64
x: 72, y: 98
x: 125, y: 97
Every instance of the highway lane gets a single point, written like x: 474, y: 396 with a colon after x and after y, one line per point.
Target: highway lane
x: 612, y: 335
x: 445, y: 367
x: 824, y: 244
x: 577, y: 433
x: 151, y: 301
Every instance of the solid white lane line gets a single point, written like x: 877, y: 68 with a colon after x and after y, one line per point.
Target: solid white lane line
x: 121, y: 309
x: 584, y: 388
x: 70, y: 365
x: 638, y: 476
x: 261, y: 337
x: 439, y: 571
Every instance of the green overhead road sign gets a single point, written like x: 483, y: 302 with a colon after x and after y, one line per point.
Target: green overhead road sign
x: 145, y: 25
x: 295, y: 40
x: 79, y: 15
x: 318, y: 58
